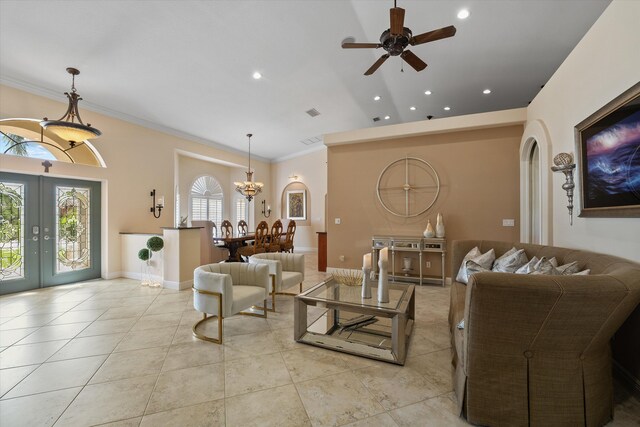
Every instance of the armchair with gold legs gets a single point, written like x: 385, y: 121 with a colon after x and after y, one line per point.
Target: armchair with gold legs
x: 285, y: 271
x: 225, y: 289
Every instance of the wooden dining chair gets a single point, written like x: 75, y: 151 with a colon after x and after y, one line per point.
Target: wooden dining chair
x: 276, y: 233
x: 226, y: 229
x: 259, y: 244
x: 243, y: 228
x: 287, y: 245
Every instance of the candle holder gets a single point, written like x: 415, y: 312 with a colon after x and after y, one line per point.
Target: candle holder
x: 564, y: 163
x: 156, y: 206
x: 383, y: 277
x: 366, y: 284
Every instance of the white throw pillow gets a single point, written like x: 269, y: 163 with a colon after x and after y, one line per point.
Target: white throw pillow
x: 545, y: 266
x: 570, y: 268
x: 484, y: 260
x: 511, y: 261
x: 528, y: 267
x: 460, y: 325
x: 473, y: 268
x: 583, y: 272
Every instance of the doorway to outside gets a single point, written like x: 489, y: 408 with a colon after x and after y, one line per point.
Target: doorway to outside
x: 49, y: 231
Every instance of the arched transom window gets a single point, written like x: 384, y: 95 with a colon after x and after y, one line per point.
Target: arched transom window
x: 206, y: 200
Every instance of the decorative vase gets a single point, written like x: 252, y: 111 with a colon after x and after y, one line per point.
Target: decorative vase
x: 428, y: 232
x: 406, y: 265
x: 383, y: 277
x: 366, y: 285
x: 440, y: 226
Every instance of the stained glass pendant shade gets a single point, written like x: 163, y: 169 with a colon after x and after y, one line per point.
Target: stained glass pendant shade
x: 66, y: 127
x: 249, y: 188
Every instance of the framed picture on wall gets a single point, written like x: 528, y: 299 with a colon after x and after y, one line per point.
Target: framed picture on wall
x: 297, y: 204
x: 608, y: 146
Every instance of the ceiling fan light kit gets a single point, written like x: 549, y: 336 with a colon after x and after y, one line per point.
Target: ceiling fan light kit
x: 397, y: 38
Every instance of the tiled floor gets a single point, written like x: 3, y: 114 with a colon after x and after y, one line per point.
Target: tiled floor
x: 114, y: 353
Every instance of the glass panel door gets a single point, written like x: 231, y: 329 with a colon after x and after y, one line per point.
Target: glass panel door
x: 49, y: 231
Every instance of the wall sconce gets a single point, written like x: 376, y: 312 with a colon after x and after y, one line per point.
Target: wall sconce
x: 266, y: 211
x: 564, y: 163
x: 293, y: 177
x: 156, y: 206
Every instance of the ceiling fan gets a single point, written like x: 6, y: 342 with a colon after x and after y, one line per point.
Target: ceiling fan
x: 396, y: 39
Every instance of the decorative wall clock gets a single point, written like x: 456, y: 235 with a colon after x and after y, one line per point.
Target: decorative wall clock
x: 408, y: 187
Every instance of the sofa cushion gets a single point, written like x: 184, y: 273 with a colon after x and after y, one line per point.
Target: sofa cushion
x: 528, y: 267
x: 512, y: 260
x: 545, y: 266
x: 485, y: 260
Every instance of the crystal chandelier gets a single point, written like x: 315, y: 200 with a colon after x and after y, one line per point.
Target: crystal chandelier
x: 66, y: 127
x: 249, y: 188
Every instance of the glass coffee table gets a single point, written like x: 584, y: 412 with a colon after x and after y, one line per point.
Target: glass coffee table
x: 344, y: 321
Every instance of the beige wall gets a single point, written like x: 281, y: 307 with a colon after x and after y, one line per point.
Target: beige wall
x: 478, y: 171
x: 604, y: 64
x: 138, y: 160
x: 311, y: 170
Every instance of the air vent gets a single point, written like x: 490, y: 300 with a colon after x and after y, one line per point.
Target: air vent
x: 311, y: 140
x: 313, y: 112
x: 376, y: 119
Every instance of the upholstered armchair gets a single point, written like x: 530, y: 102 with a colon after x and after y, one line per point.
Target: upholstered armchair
x: 286, y: 270
x: 225, y: 289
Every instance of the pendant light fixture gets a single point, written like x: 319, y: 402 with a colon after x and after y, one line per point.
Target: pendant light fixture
x: 66, y: 127
x: 249, y: 188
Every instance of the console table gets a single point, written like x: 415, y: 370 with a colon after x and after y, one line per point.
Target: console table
x: 409, y: 245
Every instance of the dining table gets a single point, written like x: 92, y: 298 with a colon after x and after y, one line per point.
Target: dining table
x: 232, y: 243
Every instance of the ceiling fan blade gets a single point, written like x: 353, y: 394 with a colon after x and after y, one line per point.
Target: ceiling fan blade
x: 361, y: 45
x: 430, y: 36
x: 397, y: 20
x: 411, y: 59
x: 377, y: 64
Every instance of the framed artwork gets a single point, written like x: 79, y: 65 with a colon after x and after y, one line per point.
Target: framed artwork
x: 608, y: 146
x: 297, y: 204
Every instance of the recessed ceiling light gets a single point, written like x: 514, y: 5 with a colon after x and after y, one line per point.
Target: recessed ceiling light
x: 486, y: 91
x: 463, y: 14
x: 257, y: 75
x: 376, y: 98
x: 447, y: 108
x: 428, y: 92
x: 387, y: 117
x: 412, y: 108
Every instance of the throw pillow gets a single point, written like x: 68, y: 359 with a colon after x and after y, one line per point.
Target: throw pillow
x: 510, y: 263
x: 484, y: 260
x: 544, y: 266
x: 460, y: 325
x: 583, y: 272
x: 528, y: 267
x: 570, y: 268
x: 473, y: 267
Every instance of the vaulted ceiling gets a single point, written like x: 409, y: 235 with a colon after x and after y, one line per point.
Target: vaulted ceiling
x: 186, y: 66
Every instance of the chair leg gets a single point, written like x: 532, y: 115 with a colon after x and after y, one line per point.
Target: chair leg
x: 291, y: 293
x: 273, y: 293
x: 205, y: 318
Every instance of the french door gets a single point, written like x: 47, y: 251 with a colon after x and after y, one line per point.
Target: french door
x: 49, y: 231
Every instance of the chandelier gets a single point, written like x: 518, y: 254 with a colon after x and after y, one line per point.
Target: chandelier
x: 66, y: 127
x: 249, y: 188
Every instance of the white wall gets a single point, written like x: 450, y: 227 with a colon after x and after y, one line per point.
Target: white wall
x: 604, y: 64
x: 311, y: 170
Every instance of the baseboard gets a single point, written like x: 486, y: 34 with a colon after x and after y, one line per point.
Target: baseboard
x: 309, y: 250
x: 113, y: 275
x: 136, y: 275
x: 178, y: 286
x: 625, y: 376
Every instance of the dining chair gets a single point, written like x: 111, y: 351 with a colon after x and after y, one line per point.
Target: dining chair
x: 226, y: 229
x: 259, y: 242
x: 210, y: 252
x: 274, y: 240
x: 287, y: 245
x: 243, y: 228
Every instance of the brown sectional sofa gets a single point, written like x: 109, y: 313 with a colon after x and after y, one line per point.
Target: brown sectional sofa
x: 535, y: 350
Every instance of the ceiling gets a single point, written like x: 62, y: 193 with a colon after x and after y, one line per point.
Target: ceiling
x: 186, y: 67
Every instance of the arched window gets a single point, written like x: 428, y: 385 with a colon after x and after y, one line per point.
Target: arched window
x: 206, y: 200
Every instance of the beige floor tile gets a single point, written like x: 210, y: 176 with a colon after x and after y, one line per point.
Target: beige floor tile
x: 435, y: 366
x: 285, y: 338
x: 29, y: 321
x: 255, y: 373
x: 124, y: 312
x: 184, y: 335
x: 12, y: 336
x: 129, y: 364
x: 191, y: 354
x: 29, y: 354
x: 37, y: 410
x: 277, y: 407
x: 77, y: 317
x: 183, y: 387
x: 436, y: 412
x: 54, y: 332
x: 57, y: 307
x: 12, y: 376
x: 396, y: 386
x: 248, y: 345
x: 139, y: 301
x: 208, y: 414
x: 95, y: 304
x: 107, y: 402
x: 157, y: 321
x: 189, y: 317
x: 131, y: 422
x: 308, y: 362
x: 380, y: 420
x: 88, y: 346
x: 146, y: 339
x: 58, y: 375
x: 240, y: 324
x: 170, y: 307
x: 104, y: 327
x: 337, y: 399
